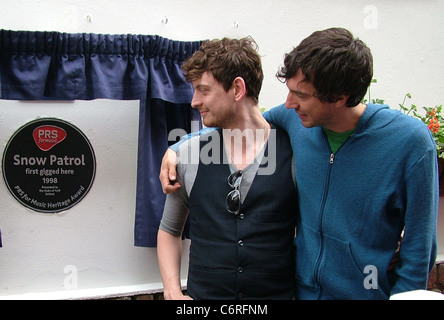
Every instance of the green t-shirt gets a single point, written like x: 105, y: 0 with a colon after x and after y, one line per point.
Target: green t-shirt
x: 337, y: 139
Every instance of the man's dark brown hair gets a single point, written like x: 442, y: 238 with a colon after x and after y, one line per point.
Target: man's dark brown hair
x: 334, y: 62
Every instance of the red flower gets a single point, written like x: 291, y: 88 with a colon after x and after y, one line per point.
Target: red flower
x: 434, y: 124
x: 432, y: 113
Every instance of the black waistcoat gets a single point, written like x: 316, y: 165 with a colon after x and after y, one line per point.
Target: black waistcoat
x: 250, y: 255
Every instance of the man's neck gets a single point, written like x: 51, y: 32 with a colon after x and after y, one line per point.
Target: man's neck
x: 347, y: 119
x: 246, y: 139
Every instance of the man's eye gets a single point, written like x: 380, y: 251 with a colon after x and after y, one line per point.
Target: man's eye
x: 302, y: 95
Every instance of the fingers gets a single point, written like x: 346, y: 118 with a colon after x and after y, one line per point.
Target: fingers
x: 172, y: 187
x: 168, y: 173
x: 171, y: 163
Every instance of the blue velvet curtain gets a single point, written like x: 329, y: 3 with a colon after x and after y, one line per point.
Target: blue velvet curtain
x: 62, y: 66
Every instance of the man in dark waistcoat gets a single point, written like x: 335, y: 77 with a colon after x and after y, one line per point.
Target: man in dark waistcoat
x: 237, y: 187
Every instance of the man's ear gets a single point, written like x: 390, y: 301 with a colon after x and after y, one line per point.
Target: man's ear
x: 240, y: 90
x: 342, y: 100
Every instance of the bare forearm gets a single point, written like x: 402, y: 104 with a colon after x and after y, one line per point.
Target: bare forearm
x: 169, y: 252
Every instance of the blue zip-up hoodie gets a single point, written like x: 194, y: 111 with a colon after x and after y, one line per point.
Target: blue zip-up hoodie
x: 355, y: 203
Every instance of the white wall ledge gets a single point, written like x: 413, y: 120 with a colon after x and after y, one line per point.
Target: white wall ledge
x: 89, y: 294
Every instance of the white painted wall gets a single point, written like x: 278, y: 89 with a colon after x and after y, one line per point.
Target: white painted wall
x: 87, y: 250
x: 407, y: 42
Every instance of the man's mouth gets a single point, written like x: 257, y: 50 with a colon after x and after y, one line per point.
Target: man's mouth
x: 301, y: 115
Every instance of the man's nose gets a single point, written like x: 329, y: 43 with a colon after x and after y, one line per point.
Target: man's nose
x: 291, y: 102
x: 195, y: 102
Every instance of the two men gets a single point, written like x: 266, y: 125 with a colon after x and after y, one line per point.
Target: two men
x: 365, y: 174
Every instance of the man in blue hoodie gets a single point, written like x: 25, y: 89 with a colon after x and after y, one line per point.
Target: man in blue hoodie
x: 366, y: 175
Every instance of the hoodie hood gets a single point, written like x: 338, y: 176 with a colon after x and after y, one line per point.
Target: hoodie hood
x: 375, y: 117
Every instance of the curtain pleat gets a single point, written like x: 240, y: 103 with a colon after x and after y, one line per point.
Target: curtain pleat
x: 38, y: 65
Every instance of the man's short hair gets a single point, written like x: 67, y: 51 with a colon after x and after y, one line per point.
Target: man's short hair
x: 227, y: 59
x: 334, y: 62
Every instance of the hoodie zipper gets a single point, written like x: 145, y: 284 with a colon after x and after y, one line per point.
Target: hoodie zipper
x: 321, y: 215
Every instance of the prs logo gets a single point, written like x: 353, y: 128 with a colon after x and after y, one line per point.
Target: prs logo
x: 47, y: 136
